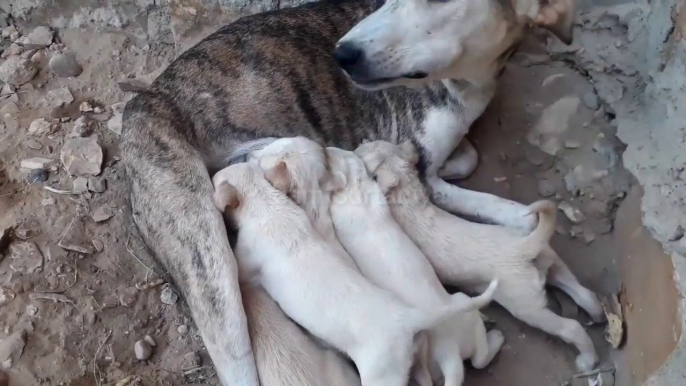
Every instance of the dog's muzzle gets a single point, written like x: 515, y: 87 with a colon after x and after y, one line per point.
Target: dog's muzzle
x: 351, y: 59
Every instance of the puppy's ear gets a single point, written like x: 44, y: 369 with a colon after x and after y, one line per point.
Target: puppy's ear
x: 334, y: 181
x: 226, y: 197
x: 386, y: 180
x: 409, y: 152
x: 372, y: 161
x: 279, y: 177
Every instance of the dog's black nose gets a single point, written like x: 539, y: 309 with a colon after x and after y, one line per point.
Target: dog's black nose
x: 347, y: 55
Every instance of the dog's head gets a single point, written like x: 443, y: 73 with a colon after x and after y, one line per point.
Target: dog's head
x: 296, y: 166
x: 415, y: 41
x: 388, y: 163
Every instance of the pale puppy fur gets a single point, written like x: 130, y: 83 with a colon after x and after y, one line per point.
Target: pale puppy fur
x: 284, y: 354
x: 278, y: 248
x: 390, y: 259
x: 469, y: 255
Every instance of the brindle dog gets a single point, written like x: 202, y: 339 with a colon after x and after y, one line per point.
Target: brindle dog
x: 278, y: 74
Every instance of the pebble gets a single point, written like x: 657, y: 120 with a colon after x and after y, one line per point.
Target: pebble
x: 150, y: 340
x: 59, y: 97
x: 25, y: 257
x: 82, y: 127
x: 590, y: 99
x: 33, y: 144
x: 191, y: 360
x: 9, y: 113
x: 82, y: 156
x: 40, y: 127
x: 32, y: 310
x: 115, y: 124
x: 17, y: 70
x: 97, y: 185
x: 80, y: 185
x: 98, y: 245
x: 572, y: 144
x: 142, y: 350
x: 575, y: 231
x: 118, y: 108
x: 37, y: 58
x: 85, y: 107
x: 48, y: 201
x: 64, y: 65
x: 546, y: 188
x: 37, y: 163
x: 6, y: 296
x: 7, y: 89
x: 572, y: 213
x: 127, y: 298
x: 182, y: 329
x: 40, y: 37
x: 168, y: 296
x: 37, y: 176
x: 102, y: 214
x: 589, y: 236
x: 26, y: 233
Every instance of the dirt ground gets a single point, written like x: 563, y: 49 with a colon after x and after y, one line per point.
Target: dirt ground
x: 78, y: 289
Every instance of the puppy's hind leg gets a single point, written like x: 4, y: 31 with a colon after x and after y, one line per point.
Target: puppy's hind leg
x: 487, y: 346
x: 560, y: 276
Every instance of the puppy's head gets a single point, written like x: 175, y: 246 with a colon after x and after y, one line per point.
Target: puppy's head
x: 226, y: 197
x: 345, y: 166
x: 406, y: 42
x: 232, y: 183
x: 388, y: 163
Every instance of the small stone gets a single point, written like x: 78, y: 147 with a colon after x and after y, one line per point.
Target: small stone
x: 59, y: 97
x: 102, y: 214
x: 191, y: 360
x: 142, y: 350
x: 17, y: 70
x: 546, y: 188
x: 48, y: 201
x: 37, y: 163
x: 6, y: 296
x: 82, y: 156
x: 85, y: 107
x: 40, y: 37
x: 168, y: 296
x: 37, y: 58
x: 26, y: 233
x: 40, y: 127
x: 7, y: 89
x: 182, y: 329
x: 572, y: 144
x: 133, y: 85
x: 82, y: 127
x: 127, y: 298
x: 115, y: 124
x: 25, y: 257
x: 31, y: 310
x: 97, y: 184
x: 589, y: 236
x: 571, y: 212
x: 80, y: 185
x: 150, y: 340
x: 37, y: 176
x: 118, y: 108
x: 33, y: 144
x: 98, y: 245
x: 575, y: 231
x: 64, y: 65
x: 8, y: 31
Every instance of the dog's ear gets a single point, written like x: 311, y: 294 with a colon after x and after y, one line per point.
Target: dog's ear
x: 334, y: 181
x: 226, y: 197
x: 386, y: 180
x: 409, y: 151
x: 279, y: 177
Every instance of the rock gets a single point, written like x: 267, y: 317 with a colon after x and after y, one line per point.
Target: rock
x: 48, y: 201
x: 591, y: 101
x: 11, y: 348
x: 17, y: 70
x: 150, y: 340
x: 40, y: 37
x: 575, y: 231
x: 115, y: 124
x: 80, y: 185
x: 182, y: 329
x: 25, y: 257
x: 10, y: 114
x: 37, y: 163
x: 37, y: 176
x: 589, y: 236
x: 553, y: 122
x: 82, y: 127
x: 127, y: 297
x: 33, y: 144
x: 572, y: 144
x: 98, y: 245
x: 6, y: 296
x: 40, y: 127
x: 85, y: 107
x: 37, y: 58
x: 133, y: 84
x: 168, y: 296
x: 31, y: 310
x: 191, y: 360
x: 546, y: 188
x: 59, y: 97
x: 142, y: 350
x: 571, y: 212
x: 118, y: 108
x: 97, y: 184
x: 64, y: 65
x: 102, y: 214
x: 9, y: 31
x: 26, y: 233
x: 82, y: 156
x: 7, y: 89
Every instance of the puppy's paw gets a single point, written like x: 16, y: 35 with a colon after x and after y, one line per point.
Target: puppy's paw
x: 586, y: 361
x: 495, y: 340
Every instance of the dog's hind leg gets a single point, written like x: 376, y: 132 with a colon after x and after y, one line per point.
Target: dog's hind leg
x: 461, y: 163
x: 560, y: 276
x: 487, y: 346
x: 172, y: 207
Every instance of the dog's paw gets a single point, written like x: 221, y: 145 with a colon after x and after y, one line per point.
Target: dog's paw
x: 495, y: 339
x: 586, y: 361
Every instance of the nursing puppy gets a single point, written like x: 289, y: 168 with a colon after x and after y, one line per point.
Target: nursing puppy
x: 278, y: 248
x: 390, y: 259
x: 469, y: 255
x: 284, y: 354
x: 297, y: 166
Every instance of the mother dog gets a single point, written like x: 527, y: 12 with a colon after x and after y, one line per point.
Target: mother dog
x: 323, y: 70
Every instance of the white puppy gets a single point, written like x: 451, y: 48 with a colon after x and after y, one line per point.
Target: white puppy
x: 309, y: 182
x: 284, y: 354
x: 469, y: 255
x: 278, y: 247
x: 390, y: 259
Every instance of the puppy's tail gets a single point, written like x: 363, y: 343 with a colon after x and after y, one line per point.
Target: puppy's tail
x: 459, y: 303
x: 547, y: 218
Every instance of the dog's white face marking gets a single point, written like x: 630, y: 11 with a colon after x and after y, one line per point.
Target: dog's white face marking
x: 414, y: 41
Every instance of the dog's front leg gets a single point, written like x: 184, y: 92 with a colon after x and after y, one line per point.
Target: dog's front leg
x: 172, y: 207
